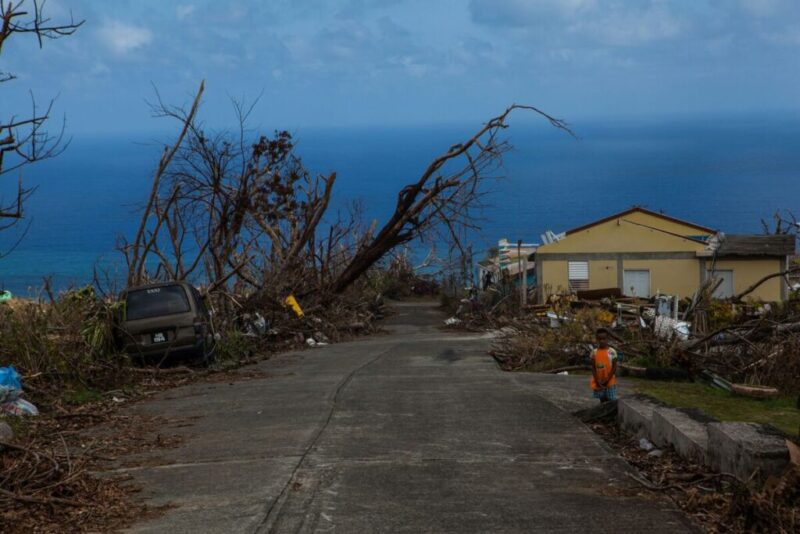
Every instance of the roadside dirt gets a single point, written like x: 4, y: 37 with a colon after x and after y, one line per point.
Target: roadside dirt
x: 716, y: 502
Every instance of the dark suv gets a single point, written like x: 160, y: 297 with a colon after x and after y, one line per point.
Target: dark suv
x: 165, y: 319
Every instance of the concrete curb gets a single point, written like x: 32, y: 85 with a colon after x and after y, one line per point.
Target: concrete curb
x: 740, y: 449
x: 744, y: 448
x: 686, y: 433
x: 635, y: 414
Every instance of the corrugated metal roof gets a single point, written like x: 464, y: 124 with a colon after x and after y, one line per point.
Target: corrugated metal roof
x: 757, y: 245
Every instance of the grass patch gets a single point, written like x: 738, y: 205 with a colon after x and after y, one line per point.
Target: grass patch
x: 82, y: 396
x: 780, y: 412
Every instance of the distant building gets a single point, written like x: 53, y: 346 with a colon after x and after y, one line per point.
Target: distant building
x: 642, y: 253
x: 506, y: 261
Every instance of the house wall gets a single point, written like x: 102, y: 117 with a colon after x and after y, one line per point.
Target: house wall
x: 552, y: 278
x: 663, y: 224
x: 670, y: 277
x: 615, y: 245
x: 675, y: 277
x: 677, y: 265
x: 680, y: 276
x: 602, y: 274
x: 747, y: 271
x: 621, y: 236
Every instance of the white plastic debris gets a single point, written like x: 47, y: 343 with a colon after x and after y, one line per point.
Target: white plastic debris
x: 311, y: 342
x: 667, y: 327
x: 563, y: 373
x: 646, y: 445
x: 18, y: 407
x: 452, y: 321
x: 259, y: 324
x: 321, y: 338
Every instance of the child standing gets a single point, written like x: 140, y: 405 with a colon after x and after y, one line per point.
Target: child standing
x: 604, y: 368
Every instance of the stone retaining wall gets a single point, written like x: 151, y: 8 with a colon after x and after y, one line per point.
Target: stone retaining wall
x: 741, y: 449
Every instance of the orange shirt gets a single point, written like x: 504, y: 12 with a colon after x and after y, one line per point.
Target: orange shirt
x: 603, y: 361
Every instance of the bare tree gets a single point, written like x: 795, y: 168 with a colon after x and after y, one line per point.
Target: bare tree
x: 240, y: 214
x: 444, y: 197
x: 784, y: 224
x: 23, y: 137
x: 233, y: 208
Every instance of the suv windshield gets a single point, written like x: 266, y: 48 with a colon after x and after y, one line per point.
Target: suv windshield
x: 155, y: 301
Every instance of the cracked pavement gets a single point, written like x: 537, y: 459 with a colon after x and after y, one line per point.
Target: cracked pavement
x: 414, y: 431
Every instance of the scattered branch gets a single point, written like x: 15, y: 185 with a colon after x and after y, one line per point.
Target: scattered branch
x: 26, y: 141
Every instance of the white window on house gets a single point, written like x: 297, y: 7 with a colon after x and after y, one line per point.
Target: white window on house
x: 725, y: 289
x: 578, y: 275
x: 636, y: 283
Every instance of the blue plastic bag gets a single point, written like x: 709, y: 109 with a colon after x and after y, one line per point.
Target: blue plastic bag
x: 10, y: 390
x: 9, y: 377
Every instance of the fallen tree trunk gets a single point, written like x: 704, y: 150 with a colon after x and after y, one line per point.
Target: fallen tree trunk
x: 738, y: 298
x: 437, y: 199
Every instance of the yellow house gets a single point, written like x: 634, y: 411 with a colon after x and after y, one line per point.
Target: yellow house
x: 642, y: 253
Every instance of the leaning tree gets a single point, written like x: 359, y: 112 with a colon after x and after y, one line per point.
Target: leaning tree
x: 444, y: 197
x: 239, y: 213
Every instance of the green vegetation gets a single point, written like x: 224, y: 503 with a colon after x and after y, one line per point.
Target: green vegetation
x: 82, y: 396
x: 235, y: 347
x: 781, y: 412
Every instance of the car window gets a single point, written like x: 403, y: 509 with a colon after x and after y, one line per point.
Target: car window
x: 156, y: 301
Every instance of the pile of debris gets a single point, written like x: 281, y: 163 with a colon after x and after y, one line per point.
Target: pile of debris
x: 53, y: 489
x: 748, y: 349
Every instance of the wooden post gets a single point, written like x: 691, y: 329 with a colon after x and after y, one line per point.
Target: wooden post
x: 524, y: 286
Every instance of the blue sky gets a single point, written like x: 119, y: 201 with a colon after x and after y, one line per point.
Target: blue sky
x: 404, y: 62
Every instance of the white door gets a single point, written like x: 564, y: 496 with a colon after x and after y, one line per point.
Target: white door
x: 725, y: 289
x: 636, y: 283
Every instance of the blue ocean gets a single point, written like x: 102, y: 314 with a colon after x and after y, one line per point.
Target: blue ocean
x: 726, y: 173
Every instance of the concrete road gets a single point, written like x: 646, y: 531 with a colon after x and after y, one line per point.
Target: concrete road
x: 414, y: 431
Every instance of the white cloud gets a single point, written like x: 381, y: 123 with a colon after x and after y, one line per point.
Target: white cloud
x: 184, y: 10
x: 570, y: 7
x: 762, y: 8
x: 100, y: 69
x: 631, y: 27
x: 123, y: 38
x: 787, y: 36
x: 609, y: 22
